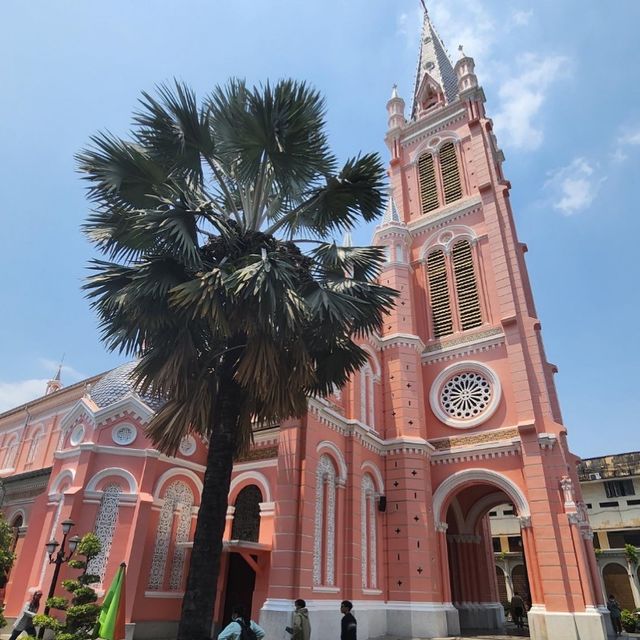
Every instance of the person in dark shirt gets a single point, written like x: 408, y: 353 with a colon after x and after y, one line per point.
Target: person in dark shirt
x: 349, y: 626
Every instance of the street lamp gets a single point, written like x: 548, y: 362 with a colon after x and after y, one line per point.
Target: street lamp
x: 58, y: 558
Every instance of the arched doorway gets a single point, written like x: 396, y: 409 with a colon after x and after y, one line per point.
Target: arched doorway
x: 241, y: 576
x: 477, y: 586
x: 616, y: 582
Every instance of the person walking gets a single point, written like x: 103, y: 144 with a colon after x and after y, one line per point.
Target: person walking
x: 349, y: 626
x: 25, y: 621
x: 241, y: 627
x: 301, y: 629
x: 615, y: 613
x: 517, y: 610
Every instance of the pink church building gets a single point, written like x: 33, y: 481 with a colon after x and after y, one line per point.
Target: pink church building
x: 380, y: 494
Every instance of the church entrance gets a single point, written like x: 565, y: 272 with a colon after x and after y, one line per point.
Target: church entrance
x: 476, y: 580
x: 241, y: 582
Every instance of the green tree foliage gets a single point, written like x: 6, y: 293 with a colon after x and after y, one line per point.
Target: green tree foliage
x: 81, y: 610
x: 216, y: 222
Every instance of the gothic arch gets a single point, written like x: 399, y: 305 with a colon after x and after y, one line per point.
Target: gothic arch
x: 444, y: 239
x: 433, y: 144
x: 18, y: 513
x: 373, y: 358
x: 447, y: 488
x: 66, y: 475
x: 111, y: 472
x: 177, y: 472
x: 247, y: 478
x: 336, y: 456
x: 480, y: 508
x: 372, y: 469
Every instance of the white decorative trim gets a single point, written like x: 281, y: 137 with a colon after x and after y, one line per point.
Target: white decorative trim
x: 187, y: 446
x: 324, y: 590
x: 547, y: 441
x: 325, y: 524
x: 337, y: 455
x: 172, y: 473
x: 459, y: 368
x: 400, y: 340
x: 77, y: 435
x: 105, y: 524
x: 368, y: 534
x: 124, y: 434
x: 445, y: 239
x: 164, y: 594
x: 118, y: 472
x: 257, y: 478
x: 66, y: 474
x: 479, y: 342
x: 373, y: 469
x: 478, y: 476
x: 441, y: 216
x: 486, y: 451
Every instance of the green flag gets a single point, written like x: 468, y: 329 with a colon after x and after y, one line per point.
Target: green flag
x: 111, y: 621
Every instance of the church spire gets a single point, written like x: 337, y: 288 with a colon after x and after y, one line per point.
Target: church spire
x: 55, y: 384
x: 433, y: 61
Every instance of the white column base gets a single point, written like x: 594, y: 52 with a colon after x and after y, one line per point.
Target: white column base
x: 551, y: 625
x: 375, y: 619
x: 481, y: 615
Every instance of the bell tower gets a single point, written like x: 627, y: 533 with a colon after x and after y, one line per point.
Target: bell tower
x: 468, y: 392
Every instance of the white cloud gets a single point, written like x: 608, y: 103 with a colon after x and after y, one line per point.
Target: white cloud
x: 408, y: 26
x: 521, y: 18
x: 574, y: 187
x: 13, y: 394
x: 521, y: 99
x: 477, y: 32
x: 631, y: 138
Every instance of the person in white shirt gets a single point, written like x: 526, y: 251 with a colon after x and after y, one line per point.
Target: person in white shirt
x: 239, y: 623
x: 25, y: 621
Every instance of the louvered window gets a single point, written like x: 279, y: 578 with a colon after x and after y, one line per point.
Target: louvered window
x: 428, y: 186
x: 439, y: 294
x: 450, y: 173
x: 466, y: 286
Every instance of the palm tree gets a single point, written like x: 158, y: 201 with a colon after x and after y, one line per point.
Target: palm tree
x: 200, y: 216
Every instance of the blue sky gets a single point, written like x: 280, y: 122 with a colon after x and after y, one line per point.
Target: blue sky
x: 561, y: 85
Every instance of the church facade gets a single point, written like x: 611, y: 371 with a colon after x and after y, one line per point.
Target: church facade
x: 380, y: 494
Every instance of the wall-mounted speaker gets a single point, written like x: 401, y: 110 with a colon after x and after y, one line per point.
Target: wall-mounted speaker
x: 382, y: 503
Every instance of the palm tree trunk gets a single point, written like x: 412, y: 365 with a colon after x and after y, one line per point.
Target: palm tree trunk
x: 200, y: 594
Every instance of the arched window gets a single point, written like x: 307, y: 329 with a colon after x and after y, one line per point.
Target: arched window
x: 246, y: 517
x: 174, y: 524
x: 34, y: 449
x: 428, y: 184
x: 368, y: 534
x: 106, y: 521
x: 466, y: 286
x: 325, y: 524
x: 11, y: 453
x: 439, y: 294
x: 366, y: 396
x: 16, y: 525
x: 451, y: 184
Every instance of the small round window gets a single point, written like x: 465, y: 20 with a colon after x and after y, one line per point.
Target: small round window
x: 465, y: 394
x: 77, y: 435
x: 124, y: 434
x: 187, y: 446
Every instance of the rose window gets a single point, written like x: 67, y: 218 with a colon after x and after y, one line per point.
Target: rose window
x: 466, y: 395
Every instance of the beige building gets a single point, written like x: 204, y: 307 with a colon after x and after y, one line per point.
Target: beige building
x: 611, y: 492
